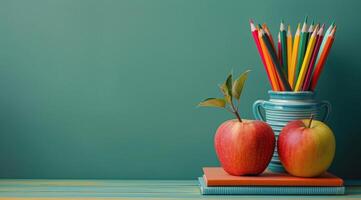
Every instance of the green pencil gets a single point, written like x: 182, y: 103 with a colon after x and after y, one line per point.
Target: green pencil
x: 310, y: 31
x: 301, y: 48
x: 283, y: 35
x: 275, y: 60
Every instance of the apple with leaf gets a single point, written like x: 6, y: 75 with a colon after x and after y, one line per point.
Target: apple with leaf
x: 243, y: 147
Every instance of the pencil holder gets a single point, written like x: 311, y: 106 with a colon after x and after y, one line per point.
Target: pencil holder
x: 283, y: 107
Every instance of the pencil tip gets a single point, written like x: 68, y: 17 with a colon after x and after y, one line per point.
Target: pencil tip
x: 305, y: 21
x: 316, y: 28
x: 333, y: 31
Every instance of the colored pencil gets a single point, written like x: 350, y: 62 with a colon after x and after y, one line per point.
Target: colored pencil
x: 279, y: 49
x: 276, y: 62
x: 256, y: 40
x: 306, y: 61
x: 320, y: 64
x: 292, y: 70
x: 279, y: 56
x: 311, y: 28
x: 271, y: 68
x: 283, y: 38
x: 301, y: 48
x: 295, y: 62
x: 307, y: 81
x: 269, y: 35
x: 324, y: 40
x: 310, y: 31
x: 281, y: 86
x: 289, y: 53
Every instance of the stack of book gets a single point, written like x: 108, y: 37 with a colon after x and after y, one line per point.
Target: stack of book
x: 216, y: 181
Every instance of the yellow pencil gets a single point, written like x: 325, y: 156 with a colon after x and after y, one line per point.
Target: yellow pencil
x: 289, y: 52
x: 306, y: 60
x: 292, y: 69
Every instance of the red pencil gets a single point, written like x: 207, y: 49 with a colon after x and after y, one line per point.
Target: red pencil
x: 256, y: 40
x: 307, y: 82
x: 320, y: 64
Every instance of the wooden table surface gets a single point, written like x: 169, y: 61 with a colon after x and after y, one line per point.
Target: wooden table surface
x: 126, y: 189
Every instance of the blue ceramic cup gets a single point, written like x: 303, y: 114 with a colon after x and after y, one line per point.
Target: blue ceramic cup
x: 283, y: 107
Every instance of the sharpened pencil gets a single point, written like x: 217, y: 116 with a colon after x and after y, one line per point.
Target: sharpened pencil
x: 289, y: 53
x: 306, y: 61
x: 276, y: 62
x: 256, y: 40
x: 292, y: 70
x: 311, y: 28
x: 319, y: 39
x: 270, y: 65
x: 269, y: 35
x: 279, y: 48
x: 283, y: 38
x: 320, y: 64
x: 301, y: 48
x: 327, y: 33
x: 294, y: 62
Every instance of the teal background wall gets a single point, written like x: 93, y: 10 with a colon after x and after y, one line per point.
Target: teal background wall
x: 108, y: 89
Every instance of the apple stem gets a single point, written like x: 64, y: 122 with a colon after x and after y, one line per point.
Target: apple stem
x: 238, y: 117
x: 311, y: 118
x: 235, y: 111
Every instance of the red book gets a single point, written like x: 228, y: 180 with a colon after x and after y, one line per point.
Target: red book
x: 216, y: 176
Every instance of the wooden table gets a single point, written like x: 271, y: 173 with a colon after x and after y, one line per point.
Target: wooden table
x: 126, y: 189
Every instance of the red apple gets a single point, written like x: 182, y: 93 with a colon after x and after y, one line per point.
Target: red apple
x: 306, y: 147
x: 244, y: 147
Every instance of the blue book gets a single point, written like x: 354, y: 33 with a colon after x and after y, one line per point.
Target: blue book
x: 268, y: 190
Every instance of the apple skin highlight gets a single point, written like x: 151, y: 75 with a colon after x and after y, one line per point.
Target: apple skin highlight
x: 244, y: 148
x: 306, y: 151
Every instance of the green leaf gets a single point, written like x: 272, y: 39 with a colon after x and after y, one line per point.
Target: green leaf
x: 213, y: 102
x: 238, y: 84
x: 226, y: 89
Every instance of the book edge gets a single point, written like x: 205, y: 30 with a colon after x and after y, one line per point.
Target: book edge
x: 295, y: 190
x: 337, y: 181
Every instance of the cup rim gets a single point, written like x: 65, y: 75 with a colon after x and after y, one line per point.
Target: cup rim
x: 291, y: 92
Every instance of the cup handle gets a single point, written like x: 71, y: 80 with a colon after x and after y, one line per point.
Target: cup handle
x: 257, y: 110
x: 328, y: 107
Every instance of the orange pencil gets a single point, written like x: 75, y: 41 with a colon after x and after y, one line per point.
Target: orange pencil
x: 289, y: 55
x: 273, y: 55
x: 266, y: 66
x: 269, y: 35
x: 270, y: 66
x: 321, y: 62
